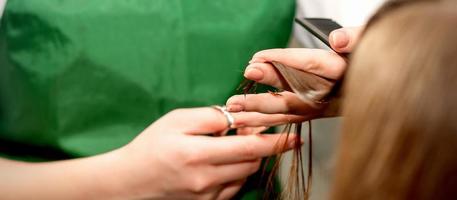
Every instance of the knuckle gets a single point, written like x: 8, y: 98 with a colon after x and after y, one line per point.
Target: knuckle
x: 240, y: 123
x: 181, y: 155
x: 247, y: 148
x: 192, y: 156
x: 311, y: 65
x: 200, y: 184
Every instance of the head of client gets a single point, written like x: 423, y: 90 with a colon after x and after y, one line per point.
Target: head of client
x: 399, y: 137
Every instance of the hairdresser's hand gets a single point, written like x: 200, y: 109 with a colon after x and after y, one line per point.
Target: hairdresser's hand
x: 173, y: 159
x: 320, y: 62
x: 286, y: 106
x: 324, y: 63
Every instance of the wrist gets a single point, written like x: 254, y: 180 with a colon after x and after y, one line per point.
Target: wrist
x: 112, y: 167
x: 129, y: 175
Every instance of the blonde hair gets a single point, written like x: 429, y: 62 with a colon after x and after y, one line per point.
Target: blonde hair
x: 399, y: 137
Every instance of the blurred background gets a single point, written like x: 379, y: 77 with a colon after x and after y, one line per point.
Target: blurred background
x: 2, y: 5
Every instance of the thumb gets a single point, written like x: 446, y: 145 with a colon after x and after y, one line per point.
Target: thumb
x: 344, y: 40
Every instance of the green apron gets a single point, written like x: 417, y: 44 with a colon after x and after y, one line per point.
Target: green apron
x: 79, y: 78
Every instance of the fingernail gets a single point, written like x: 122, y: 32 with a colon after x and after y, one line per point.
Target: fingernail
x: 340, y: 39
x: 235, y: 108
x: 254, y: 74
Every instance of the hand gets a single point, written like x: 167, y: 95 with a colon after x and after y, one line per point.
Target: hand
x: 172, y: 158
x: 324, y: 63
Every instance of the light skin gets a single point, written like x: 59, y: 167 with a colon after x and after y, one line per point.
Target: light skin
x: 174, y: 158
x: 324, y: 63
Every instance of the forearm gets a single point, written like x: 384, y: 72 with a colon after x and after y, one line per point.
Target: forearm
x: 97, y: 177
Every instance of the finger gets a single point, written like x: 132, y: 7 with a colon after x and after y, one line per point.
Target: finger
x: 317, y: 61
x: 240, y: 148
x: 265, y: 73
x: 251, y: 130
x: 226, y: 173
x: 344, y: 40
x: 209, y: 120
x: 255, y: 119
x: 230, y: 190
x: 195, y: 121
x: 283, y: 102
